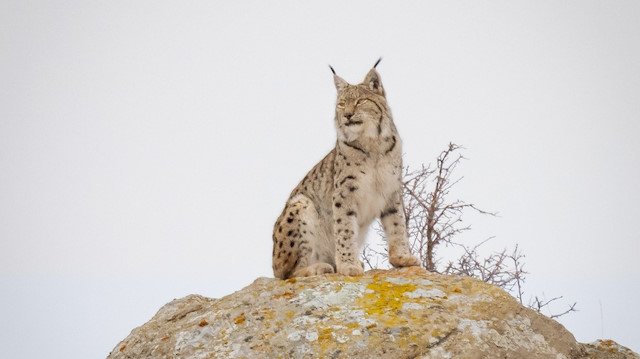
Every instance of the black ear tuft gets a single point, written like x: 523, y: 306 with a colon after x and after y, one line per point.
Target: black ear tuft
x: 338, y: 81
x: 377, y: 62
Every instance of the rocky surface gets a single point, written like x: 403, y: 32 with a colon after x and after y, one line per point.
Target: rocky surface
x: 400, y: 313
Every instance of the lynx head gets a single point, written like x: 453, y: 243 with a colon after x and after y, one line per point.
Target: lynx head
x: 360, y: 108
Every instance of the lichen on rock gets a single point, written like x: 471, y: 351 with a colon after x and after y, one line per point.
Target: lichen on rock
x: 399, y: 313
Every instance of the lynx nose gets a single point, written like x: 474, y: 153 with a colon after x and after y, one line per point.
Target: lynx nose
x: 348, y: 115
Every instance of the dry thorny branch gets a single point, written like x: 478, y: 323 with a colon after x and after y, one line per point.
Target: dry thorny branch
x: 433, y: 219
x: 502, y: 269
x: 538, y: 305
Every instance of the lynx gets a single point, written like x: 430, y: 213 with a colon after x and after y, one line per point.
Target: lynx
x: 323, y: 225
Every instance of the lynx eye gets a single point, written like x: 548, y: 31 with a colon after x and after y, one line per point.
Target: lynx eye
x: 340, y: 105
x: 362, y: 101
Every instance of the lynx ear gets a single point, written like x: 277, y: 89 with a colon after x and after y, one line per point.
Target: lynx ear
x: 373, y: 82
x: 338, y: 81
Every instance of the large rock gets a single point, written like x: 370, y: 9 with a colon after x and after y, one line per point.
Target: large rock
x: 400, y: 313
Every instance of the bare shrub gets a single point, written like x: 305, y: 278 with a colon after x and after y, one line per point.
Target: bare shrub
x: 433, y: 219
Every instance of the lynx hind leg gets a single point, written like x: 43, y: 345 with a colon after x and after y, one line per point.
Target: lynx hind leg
x: 296, y: 251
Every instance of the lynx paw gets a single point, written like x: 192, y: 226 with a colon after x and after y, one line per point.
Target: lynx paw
x: 314, y: 269
x: 404, y: 260
x: 350, y: 269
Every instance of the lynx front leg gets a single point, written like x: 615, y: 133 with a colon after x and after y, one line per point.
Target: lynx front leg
x: 394, y: 225
x: 345, y: 229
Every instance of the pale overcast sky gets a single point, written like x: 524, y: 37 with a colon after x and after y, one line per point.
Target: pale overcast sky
x: 147, y: 147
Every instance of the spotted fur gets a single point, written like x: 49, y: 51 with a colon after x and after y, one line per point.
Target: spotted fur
x: 324, y: 223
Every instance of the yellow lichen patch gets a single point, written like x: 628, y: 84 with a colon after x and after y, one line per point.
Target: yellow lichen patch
x: 285, y: 295
x: 382, y: 296
x: 325, y: 339
x: 353, y: 325
x: 324, y: 334
x: 290, y: 314
x: 291, y: 280
x: 266, y: 313
x: 239, y: 319
x: 349, y: 279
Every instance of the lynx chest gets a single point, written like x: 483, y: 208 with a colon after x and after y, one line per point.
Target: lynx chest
x: 378, y: 181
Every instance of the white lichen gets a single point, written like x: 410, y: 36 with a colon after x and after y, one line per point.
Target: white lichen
x: 328, y: 295
x: 426, y: 293
x: 311, y: 335
x: 412, y: 306
x: 295, y: 335
x: 477, y: 328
